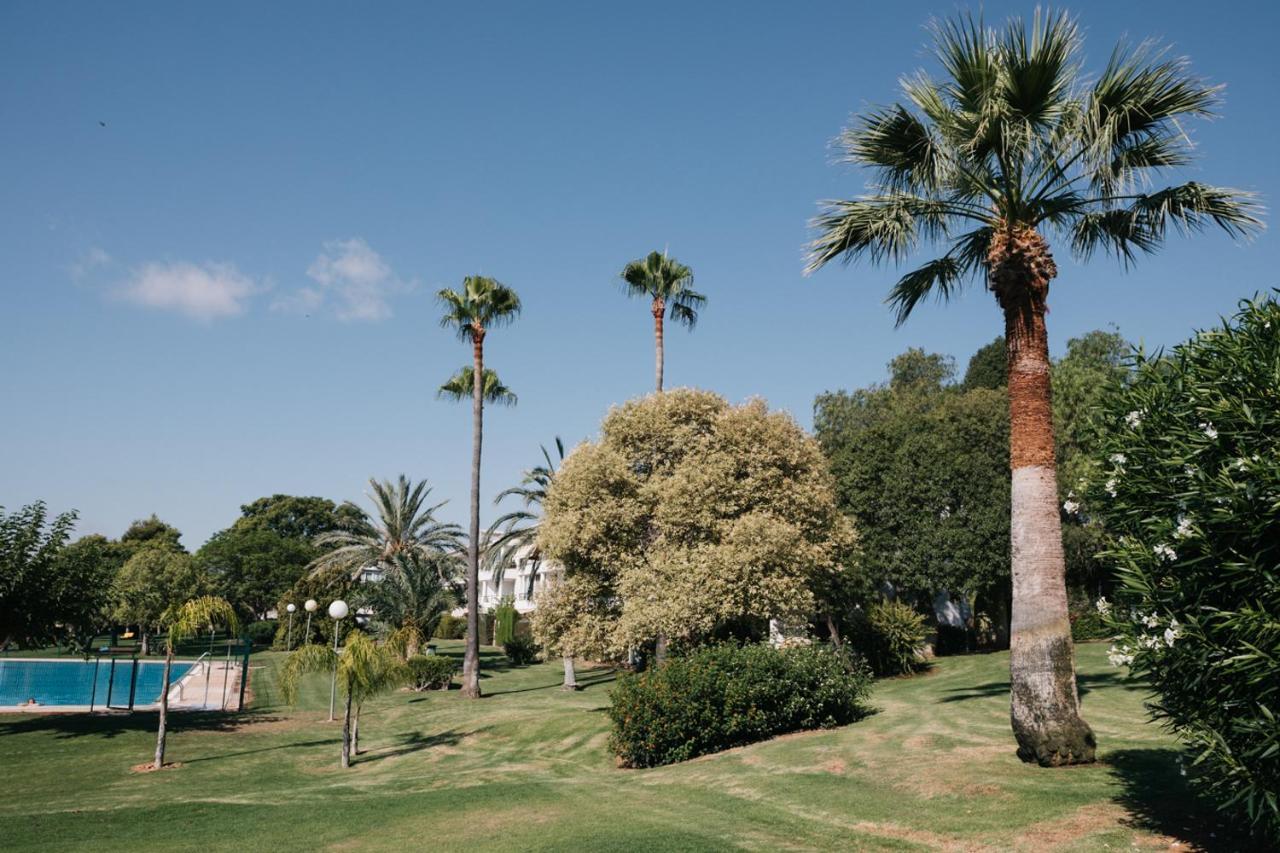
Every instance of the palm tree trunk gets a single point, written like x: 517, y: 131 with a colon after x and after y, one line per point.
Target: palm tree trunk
x: 346, y: 734
x: 658, y: 309
x: 570, y: 677
x: 471, y: 657
x: 355, y: 732
x: 1045, y: 707
x: 164, y: 710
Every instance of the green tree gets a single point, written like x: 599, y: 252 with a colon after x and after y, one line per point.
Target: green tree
x: 295, y: 517
x: 151, y: 584
x: 253, y: 566
x: 197, y: 616
x: 688, y: 518
x: 148, y: 532
x: 408, y: 601
x: 987, y: 367
x: 81, y: 585
x: 663, y: 281
x: 471, y: 312
x: 1011, y: 145
x: 363, y: 670
x: 31, y: 605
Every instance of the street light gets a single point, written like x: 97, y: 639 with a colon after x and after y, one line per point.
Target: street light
x: 310, y: 607
x: 289, y: 642
x: 337, y: 612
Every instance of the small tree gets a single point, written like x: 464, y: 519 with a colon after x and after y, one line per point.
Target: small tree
x: 364, y: 670
x: 198, y: 616
x: 153, y: 583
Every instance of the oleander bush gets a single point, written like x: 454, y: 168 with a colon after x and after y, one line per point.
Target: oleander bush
x: 1190, y: 486
x: 716, y: 697
x: 520, y: 650
x: 891, y: 636
x: 431, y: 672
x: 261, y: 633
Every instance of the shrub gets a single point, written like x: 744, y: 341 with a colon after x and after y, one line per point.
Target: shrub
x: 451, y: 627
x: 521, y: 651
x: 1190, y: 486
x: 1086, y: 622
x: 261, y: 633
x: 891, y: 636
x: 504, y: 621
x: 723, y: 696
x: 431, y: 672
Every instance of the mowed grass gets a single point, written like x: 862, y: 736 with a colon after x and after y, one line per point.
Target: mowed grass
x: 528, y: 768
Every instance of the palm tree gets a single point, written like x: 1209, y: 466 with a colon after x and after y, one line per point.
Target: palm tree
x: 364, y: 669
x: 407, y: 603
x: 663, y: 280
x: 482, y: 304
x: 519, y: 528
x: 405, y: 524
x: 1011, y: 145
x: 198, y: 616
x: 461, y: 384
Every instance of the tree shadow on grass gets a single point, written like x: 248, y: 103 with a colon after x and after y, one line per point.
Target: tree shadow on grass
x: 411, y: 742
x: 1085, y: 682
x: 1161, y: 800
x: 592, y: 678
x: 110, y: 725
x: 297, y: 744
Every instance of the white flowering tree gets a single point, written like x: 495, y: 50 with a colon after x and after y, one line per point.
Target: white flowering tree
x: 1190, y: 486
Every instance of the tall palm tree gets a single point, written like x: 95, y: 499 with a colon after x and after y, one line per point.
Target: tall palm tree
x: 663, y: 281
x: 479, y: 306
x: 405, y: 524
x: 518, y: 529
x: 197, y: 616
x: 1010, y: 146
x: 407, y: 603
x: 363, y: 670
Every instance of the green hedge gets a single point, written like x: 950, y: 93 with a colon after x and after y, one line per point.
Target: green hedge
x: 723, y: 696
x: 431, y: 672
x: 261, y: 633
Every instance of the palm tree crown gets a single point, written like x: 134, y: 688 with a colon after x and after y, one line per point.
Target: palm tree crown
x: 405, y: 524
x: 1013, y: 141
x: 666, y: 281
x: 461, y: 385
x: 481, y: 304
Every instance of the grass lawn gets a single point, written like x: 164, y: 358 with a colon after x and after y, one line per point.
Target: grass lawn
x: 527, y: 768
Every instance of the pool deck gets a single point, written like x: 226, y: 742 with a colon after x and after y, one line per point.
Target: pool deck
x: 208, y: 686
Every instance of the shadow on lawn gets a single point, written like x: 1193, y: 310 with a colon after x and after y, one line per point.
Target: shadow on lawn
x: 113, y: 725
x: 1160, y: 799
x: 416, y: 742
x: 1084, y: 683
x: 592, y: 678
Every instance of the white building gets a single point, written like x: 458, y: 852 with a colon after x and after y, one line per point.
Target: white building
x: 522, y: 578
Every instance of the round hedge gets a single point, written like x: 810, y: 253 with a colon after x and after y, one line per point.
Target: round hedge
x: 1190, y: 487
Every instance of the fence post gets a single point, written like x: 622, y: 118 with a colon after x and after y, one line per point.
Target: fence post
x: 244, y: 674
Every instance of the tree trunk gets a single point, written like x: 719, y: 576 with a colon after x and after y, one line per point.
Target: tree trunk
x: 570, y: 677
x: 660, y: 650
x: 164, y: 710
x: 144, y: 642
x: 834, y: 631
x: 471, y: 658
x: 355, y: 732
x: 346, y: 734
x: 1045, y: 707
x: 659, y: 307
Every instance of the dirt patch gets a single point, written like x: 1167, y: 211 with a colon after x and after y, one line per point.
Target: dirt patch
x: 835, y: 767
x: 1070, y: 828
x: 150, y: 767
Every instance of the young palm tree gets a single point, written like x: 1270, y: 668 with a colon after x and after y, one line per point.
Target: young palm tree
x: 481, y: 305
x: 364, y: 669
x: 1010, y: 146
x: 519, y: 528
x: 663, y: 280
x: 407, y: 603
x: 202, y: 615
x: 404, y: 525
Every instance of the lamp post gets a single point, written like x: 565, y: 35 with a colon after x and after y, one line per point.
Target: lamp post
x: 288, y: 644
x: 310, y: 607
x: 337, y: 612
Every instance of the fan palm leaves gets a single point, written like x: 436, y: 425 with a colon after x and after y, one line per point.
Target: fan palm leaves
x: 364, y: 669
x: 407, y: 603
x: 205, y: 614
x: 462, y: 384
x: 480, y: 305
x: 1009, y: 146
x: 668, y: 285
x: 405, y: 523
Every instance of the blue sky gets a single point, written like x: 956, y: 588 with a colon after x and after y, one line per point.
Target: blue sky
x: 227, y: 290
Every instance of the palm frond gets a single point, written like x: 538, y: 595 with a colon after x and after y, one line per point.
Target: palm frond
x: 460, y: 387
x: 882, y: 227
x: 202, y: 615
x: 658, y: 276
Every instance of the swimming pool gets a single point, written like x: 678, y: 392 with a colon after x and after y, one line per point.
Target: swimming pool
x: 80, y: 682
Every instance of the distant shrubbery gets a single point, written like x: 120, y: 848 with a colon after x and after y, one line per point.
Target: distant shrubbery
x: 261, y: 633
x: 722, y: 696
x: 431, y: 672
x: 1190, y: 487
x: 451, y: 627
x: 521, y: 650
x: 891, y: 637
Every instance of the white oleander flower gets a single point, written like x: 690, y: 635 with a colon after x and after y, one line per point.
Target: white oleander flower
x: 1184, y: 527
x: 1189, y: 470
x: 1119, y: 656
x: 1103, y: 606
x: 1111, y: 487
x: 1164, y: 552
x: 1118, y: 459
x: 1151, y: 620
x: 1148, y: 641
x: 1070, y: 507
x: 1133, y: 419
x: 1208, y: 430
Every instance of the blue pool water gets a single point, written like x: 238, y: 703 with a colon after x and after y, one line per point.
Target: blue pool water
x: 71, y: 682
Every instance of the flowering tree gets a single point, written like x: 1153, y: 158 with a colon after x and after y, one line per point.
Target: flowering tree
x: 1190, y: 485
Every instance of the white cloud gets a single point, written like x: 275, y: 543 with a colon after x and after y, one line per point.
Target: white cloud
x: 351, y: 277
x: 205, y: 292
x: 91, y: 260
